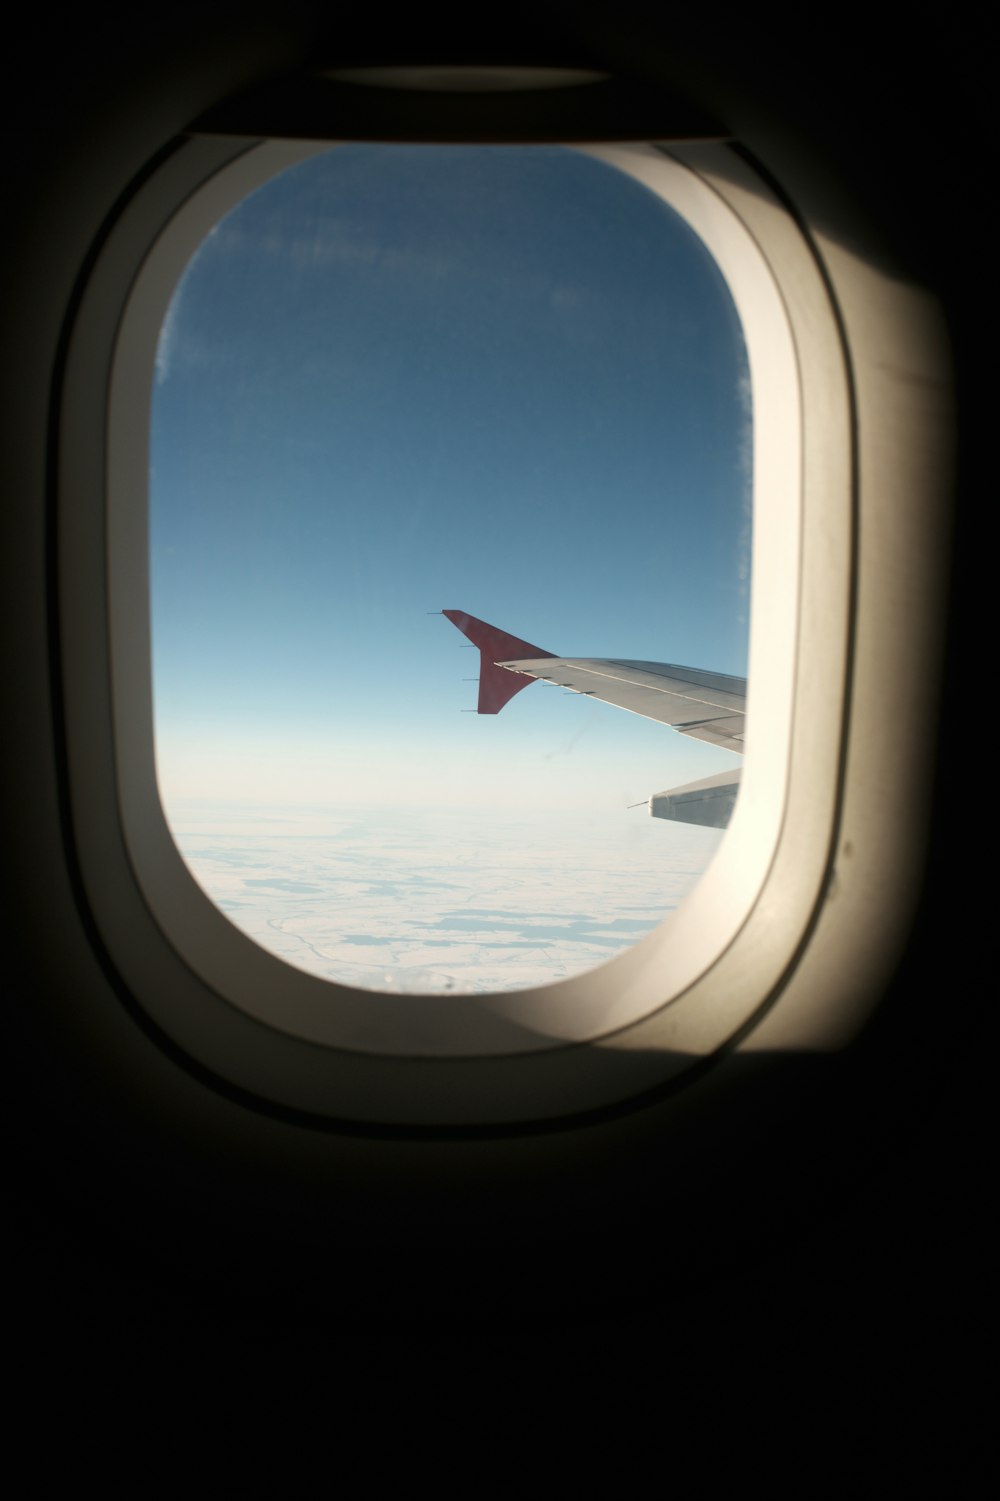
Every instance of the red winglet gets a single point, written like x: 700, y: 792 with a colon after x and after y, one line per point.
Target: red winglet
x: 497, y: 685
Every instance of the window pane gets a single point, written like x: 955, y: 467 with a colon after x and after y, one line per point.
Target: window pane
x: 395, y: 379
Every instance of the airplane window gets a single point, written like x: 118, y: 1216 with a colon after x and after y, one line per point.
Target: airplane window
x: 394, y: 380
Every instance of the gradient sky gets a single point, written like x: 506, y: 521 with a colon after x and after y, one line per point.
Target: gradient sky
x: 395, y: 379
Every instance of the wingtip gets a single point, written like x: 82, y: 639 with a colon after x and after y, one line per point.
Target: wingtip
x: 497, y: 685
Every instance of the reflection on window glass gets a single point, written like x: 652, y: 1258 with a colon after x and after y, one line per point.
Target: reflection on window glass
x: 393, y: 380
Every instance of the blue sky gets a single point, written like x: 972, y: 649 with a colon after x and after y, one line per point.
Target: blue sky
x: 397, y: 379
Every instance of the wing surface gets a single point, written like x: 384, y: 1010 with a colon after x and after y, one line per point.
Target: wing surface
x: 705, y: 705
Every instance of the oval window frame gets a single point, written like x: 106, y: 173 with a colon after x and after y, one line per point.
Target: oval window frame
x: 577, y: 1043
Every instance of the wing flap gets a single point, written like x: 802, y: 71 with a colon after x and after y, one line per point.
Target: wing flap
x: 708, y: 802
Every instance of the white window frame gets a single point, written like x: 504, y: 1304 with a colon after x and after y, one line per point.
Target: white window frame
x: 687, y: 990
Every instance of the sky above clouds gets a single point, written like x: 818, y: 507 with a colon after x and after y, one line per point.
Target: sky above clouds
x: 398, y: 379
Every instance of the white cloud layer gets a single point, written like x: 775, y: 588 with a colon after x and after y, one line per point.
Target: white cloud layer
x: 427, y: 900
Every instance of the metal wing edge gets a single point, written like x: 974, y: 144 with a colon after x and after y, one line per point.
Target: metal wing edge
x: 704, y: 705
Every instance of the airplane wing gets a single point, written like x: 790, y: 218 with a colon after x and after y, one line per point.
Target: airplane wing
x: 708, y: 706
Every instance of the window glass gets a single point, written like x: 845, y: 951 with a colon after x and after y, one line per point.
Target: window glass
x: 397, y: 379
